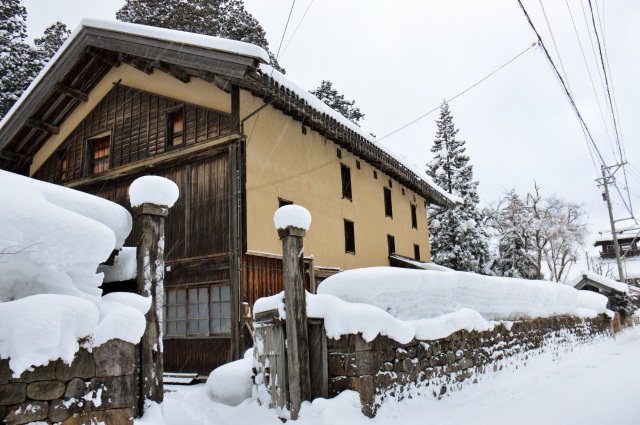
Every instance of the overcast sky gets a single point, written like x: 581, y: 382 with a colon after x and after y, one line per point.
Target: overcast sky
x: 400, y: 59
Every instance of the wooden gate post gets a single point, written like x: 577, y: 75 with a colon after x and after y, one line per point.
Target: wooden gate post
x: 150, y: 210
x: 291, y: 231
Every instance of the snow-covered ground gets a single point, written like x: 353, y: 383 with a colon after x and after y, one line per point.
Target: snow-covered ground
x: 595, y: 384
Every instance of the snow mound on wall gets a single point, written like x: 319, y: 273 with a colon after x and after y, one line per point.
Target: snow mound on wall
x: 154, y: 190
x: 47, y: 327
x: 231, y: 383
x: 125, y: 266
x: 419, y: 294
x: 52, y: 238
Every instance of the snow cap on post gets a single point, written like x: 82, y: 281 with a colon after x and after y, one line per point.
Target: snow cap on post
x: 153, y: 190
x: 294, y: 216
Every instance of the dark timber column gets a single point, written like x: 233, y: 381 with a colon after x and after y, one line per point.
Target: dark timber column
x: 296, y: 308
x: 148, y: 194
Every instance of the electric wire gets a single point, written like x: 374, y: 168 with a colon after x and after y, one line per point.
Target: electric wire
x: 285, y: 28
x: 458, y: 95
x: 298, y: 26
x: 586, y: 63
x: 564, y: 86
x: 606, y: 80
x: 555, y: 45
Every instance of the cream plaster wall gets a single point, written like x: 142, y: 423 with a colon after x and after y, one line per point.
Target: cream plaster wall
x: 197, y: 92
x: 283, y: 162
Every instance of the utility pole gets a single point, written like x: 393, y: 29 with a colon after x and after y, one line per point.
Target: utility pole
x: 605, y: 180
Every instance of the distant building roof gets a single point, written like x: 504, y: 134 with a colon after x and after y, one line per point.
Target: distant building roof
x: 587, y: 278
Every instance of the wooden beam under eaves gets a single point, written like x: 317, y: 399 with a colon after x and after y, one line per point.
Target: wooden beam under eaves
x: 102, y: 56
x: 68, y: 91
x: 40, y: 125
x: 174, y: 71
x: 14, y: 157
x: 136, y: 63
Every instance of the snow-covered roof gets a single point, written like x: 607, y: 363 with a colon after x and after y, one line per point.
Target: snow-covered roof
x: 586, y: 276
x: 323, y: 108
x: 624, y: 234
x: 406, y: 171
x: 173, y: 36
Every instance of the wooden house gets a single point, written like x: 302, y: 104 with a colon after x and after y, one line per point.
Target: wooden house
x: 239, y: 139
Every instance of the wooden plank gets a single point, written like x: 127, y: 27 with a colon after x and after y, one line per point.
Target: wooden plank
x: 76, y: 94
x: 40, y: 125
x: 318, y: 359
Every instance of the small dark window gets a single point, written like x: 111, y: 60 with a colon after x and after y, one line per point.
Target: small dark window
x: 339, y: 153
x: 63, y: 165
x: 403, y: 191
x: 416, y: 252
x: 414, y: 216
x: 283, y: 202
x: 349, y: 237
x: 304, y: 130
x: 98, y: 150
x: 175, y: 127
x: 346, y: 181
x: 391, y: 244
x: 388, y: 209
x: 375, y: 174
x: 390, y: 183
x: 414, y: 197
x: 357, y: 164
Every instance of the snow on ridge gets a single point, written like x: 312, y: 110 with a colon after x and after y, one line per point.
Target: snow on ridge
x: 323, y: 108
x: 419, y: 294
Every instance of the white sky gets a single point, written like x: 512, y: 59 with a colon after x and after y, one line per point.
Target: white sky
x: 400, y: 59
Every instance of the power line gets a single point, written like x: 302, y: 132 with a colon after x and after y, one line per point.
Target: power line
x: 458, y: 95
x: 606, y: 80
x: 298, y: 26
x: 564, y: 86
x: 262, y: 186
x: 553, y: 39
x: 586, y: 63
x: 285, y: 28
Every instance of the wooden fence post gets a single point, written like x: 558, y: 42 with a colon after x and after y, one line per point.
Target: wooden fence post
x: 296, y: 309
x: 149, y: 218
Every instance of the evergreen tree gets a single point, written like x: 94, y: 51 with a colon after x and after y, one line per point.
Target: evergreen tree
x: 20, y: 62
x: 17, y: 61
x: 326, y: 93
x: 53, y: 38
x: 457, y: 239
x: 513, y: 224
x: 220, y: 18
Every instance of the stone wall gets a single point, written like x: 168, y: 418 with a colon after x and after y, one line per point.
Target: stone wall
x: 383, y: 368
x: 98, y: 386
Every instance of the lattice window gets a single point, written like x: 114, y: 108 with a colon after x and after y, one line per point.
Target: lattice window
x: 175, y: 127
x: 99, y: 149
x: 200, y: 311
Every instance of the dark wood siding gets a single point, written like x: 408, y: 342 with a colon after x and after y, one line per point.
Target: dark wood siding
x: 137, y: 121
x: 262, y: 277
x: 200, y: 355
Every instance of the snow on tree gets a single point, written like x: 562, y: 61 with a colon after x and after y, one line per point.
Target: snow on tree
x: 457, y: 238
x: 17, y: 66
x: 512, y: 224
x: 19, y: 61
x: 326, y: 93
x: 50, y: 42
x: 534, y: 233
x: 219, y: 18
